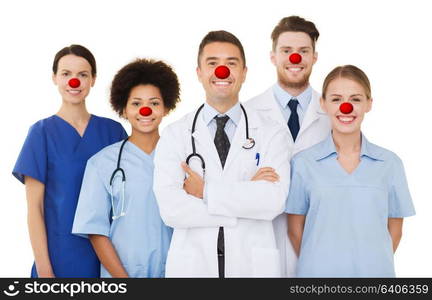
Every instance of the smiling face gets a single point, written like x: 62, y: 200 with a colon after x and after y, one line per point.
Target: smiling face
x: 144, y: 96
x: 342, y: 90
x: 293, y: 76
x: 213, y: 55
x: 72, y: 66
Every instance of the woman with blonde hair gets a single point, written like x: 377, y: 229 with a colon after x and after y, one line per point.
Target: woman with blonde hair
x: 348, y: 197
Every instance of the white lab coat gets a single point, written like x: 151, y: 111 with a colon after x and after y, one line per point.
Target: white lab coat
x: 314, y: 128
x: 244, y: 208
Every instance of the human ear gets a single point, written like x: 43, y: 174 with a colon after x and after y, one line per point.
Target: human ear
x: 198, y: 72
x: 322, y: 104
x: 369, y: 105
x: 273, y: 57
x: 315, y: 57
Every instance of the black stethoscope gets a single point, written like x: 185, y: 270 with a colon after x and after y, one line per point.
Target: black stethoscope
x: 144, y: 111
x: 250, y: 142
x: 123, y: 177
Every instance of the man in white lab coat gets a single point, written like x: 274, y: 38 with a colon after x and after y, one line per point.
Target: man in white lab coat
x: 222, y: 218
x: 294, y: 104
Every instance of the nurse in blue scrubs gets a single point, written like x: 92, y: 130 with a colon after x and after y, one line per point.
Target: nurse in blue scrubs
x: 51, y: 165
x: 122, y: 219
x: 348, y: 196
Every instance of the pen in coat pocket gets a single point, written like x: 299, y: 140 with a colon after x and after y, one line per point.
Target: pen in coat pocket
x: 257, y: 157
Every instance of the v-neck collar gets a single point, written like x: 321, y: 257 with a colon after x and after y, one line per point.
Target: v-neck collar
x: 74, y: 129
x: 139, y: 151
x: 345, y: 172
x: 328, y: 149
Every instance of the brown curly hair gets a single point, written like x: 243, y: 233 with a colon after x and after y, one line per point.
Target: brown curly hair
x: 144, y: 71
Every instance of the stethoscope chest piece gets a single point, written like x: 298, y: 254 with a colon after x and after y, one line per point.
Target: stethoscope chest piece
x: 249, y: 144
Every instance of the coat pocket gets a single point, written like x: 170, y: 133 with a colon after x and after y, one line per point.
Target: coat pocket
x: 266, y: 262
x: 248, y: 168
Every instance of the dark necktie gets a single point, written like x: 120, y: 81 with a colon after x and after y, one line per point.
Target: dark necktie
x: 293, y: 121
x: 221, y: 139
x: 222, y: 146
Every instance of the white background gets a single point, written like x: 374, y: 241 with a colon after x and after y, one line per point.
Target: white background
x: 389, y: 40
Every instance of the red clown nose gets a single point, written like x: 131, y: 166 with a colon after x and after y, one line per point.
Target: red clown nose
x: 295, y: 58
x: 145, y: 111
x: 346, y: 108
x: 74, y: 83
x: 222, y: 72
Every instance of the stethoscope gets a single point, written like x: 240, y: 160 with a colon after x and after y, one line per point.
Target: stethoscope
x: 144, y: 111
x: 123, y: 178
x: 250, y: 142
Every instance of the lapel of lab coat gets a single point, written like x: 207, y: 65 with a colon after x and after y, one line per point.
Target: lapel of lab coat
x: 268, y: 104
x: 313, y: 113
x: 239, y: 138
x: 204, y: 142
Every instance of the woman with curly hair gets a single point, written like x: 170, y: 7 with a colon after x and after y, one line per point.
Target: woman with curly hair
x: 117, y: 209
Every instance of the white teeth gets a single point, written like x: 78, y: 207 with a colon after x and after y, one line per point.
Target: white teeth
x: 74, y: 92
x: 346, y: 119
x: 145, y: 121
x: 295, y: 69
x: 221, y: 83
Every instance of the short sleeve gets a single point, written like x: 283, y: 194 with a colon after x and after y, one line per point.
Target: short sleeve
x: 122, y: 132
x: 33, y: 158
x: 400, y: 202
x: 92, y: 215
x: 298, y: 200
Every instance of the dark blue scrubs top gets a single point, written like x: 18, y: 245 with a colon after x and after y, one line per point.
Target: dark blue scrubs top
x: 56, y: 155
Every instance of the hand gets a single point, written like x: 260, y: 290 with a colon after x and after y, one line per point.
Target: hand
x: 45, y: 272
x: 266, y: 173
x: 193, y: 184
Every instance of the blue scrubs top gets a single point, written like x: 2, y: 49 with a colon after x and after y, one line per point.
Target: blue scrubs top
x: 140, y: 237
x: 345, y: 233
x: 55, y: 154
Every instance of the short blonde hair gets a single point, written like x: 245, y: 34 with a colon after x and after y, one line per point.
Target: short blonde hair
x: 349, y: 72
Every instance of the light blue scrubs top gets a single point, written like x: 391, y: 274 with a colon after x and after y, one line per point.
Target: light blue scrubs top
x: 345, y: 233
x: 140, y: 238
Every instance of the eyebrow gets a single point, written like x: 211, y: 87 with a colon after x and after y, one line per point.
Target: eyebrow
x: 289, y: 47
x: 66, y: 70
x: 151, y: 98
x: 216, y: 58
x: 353, y: 95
